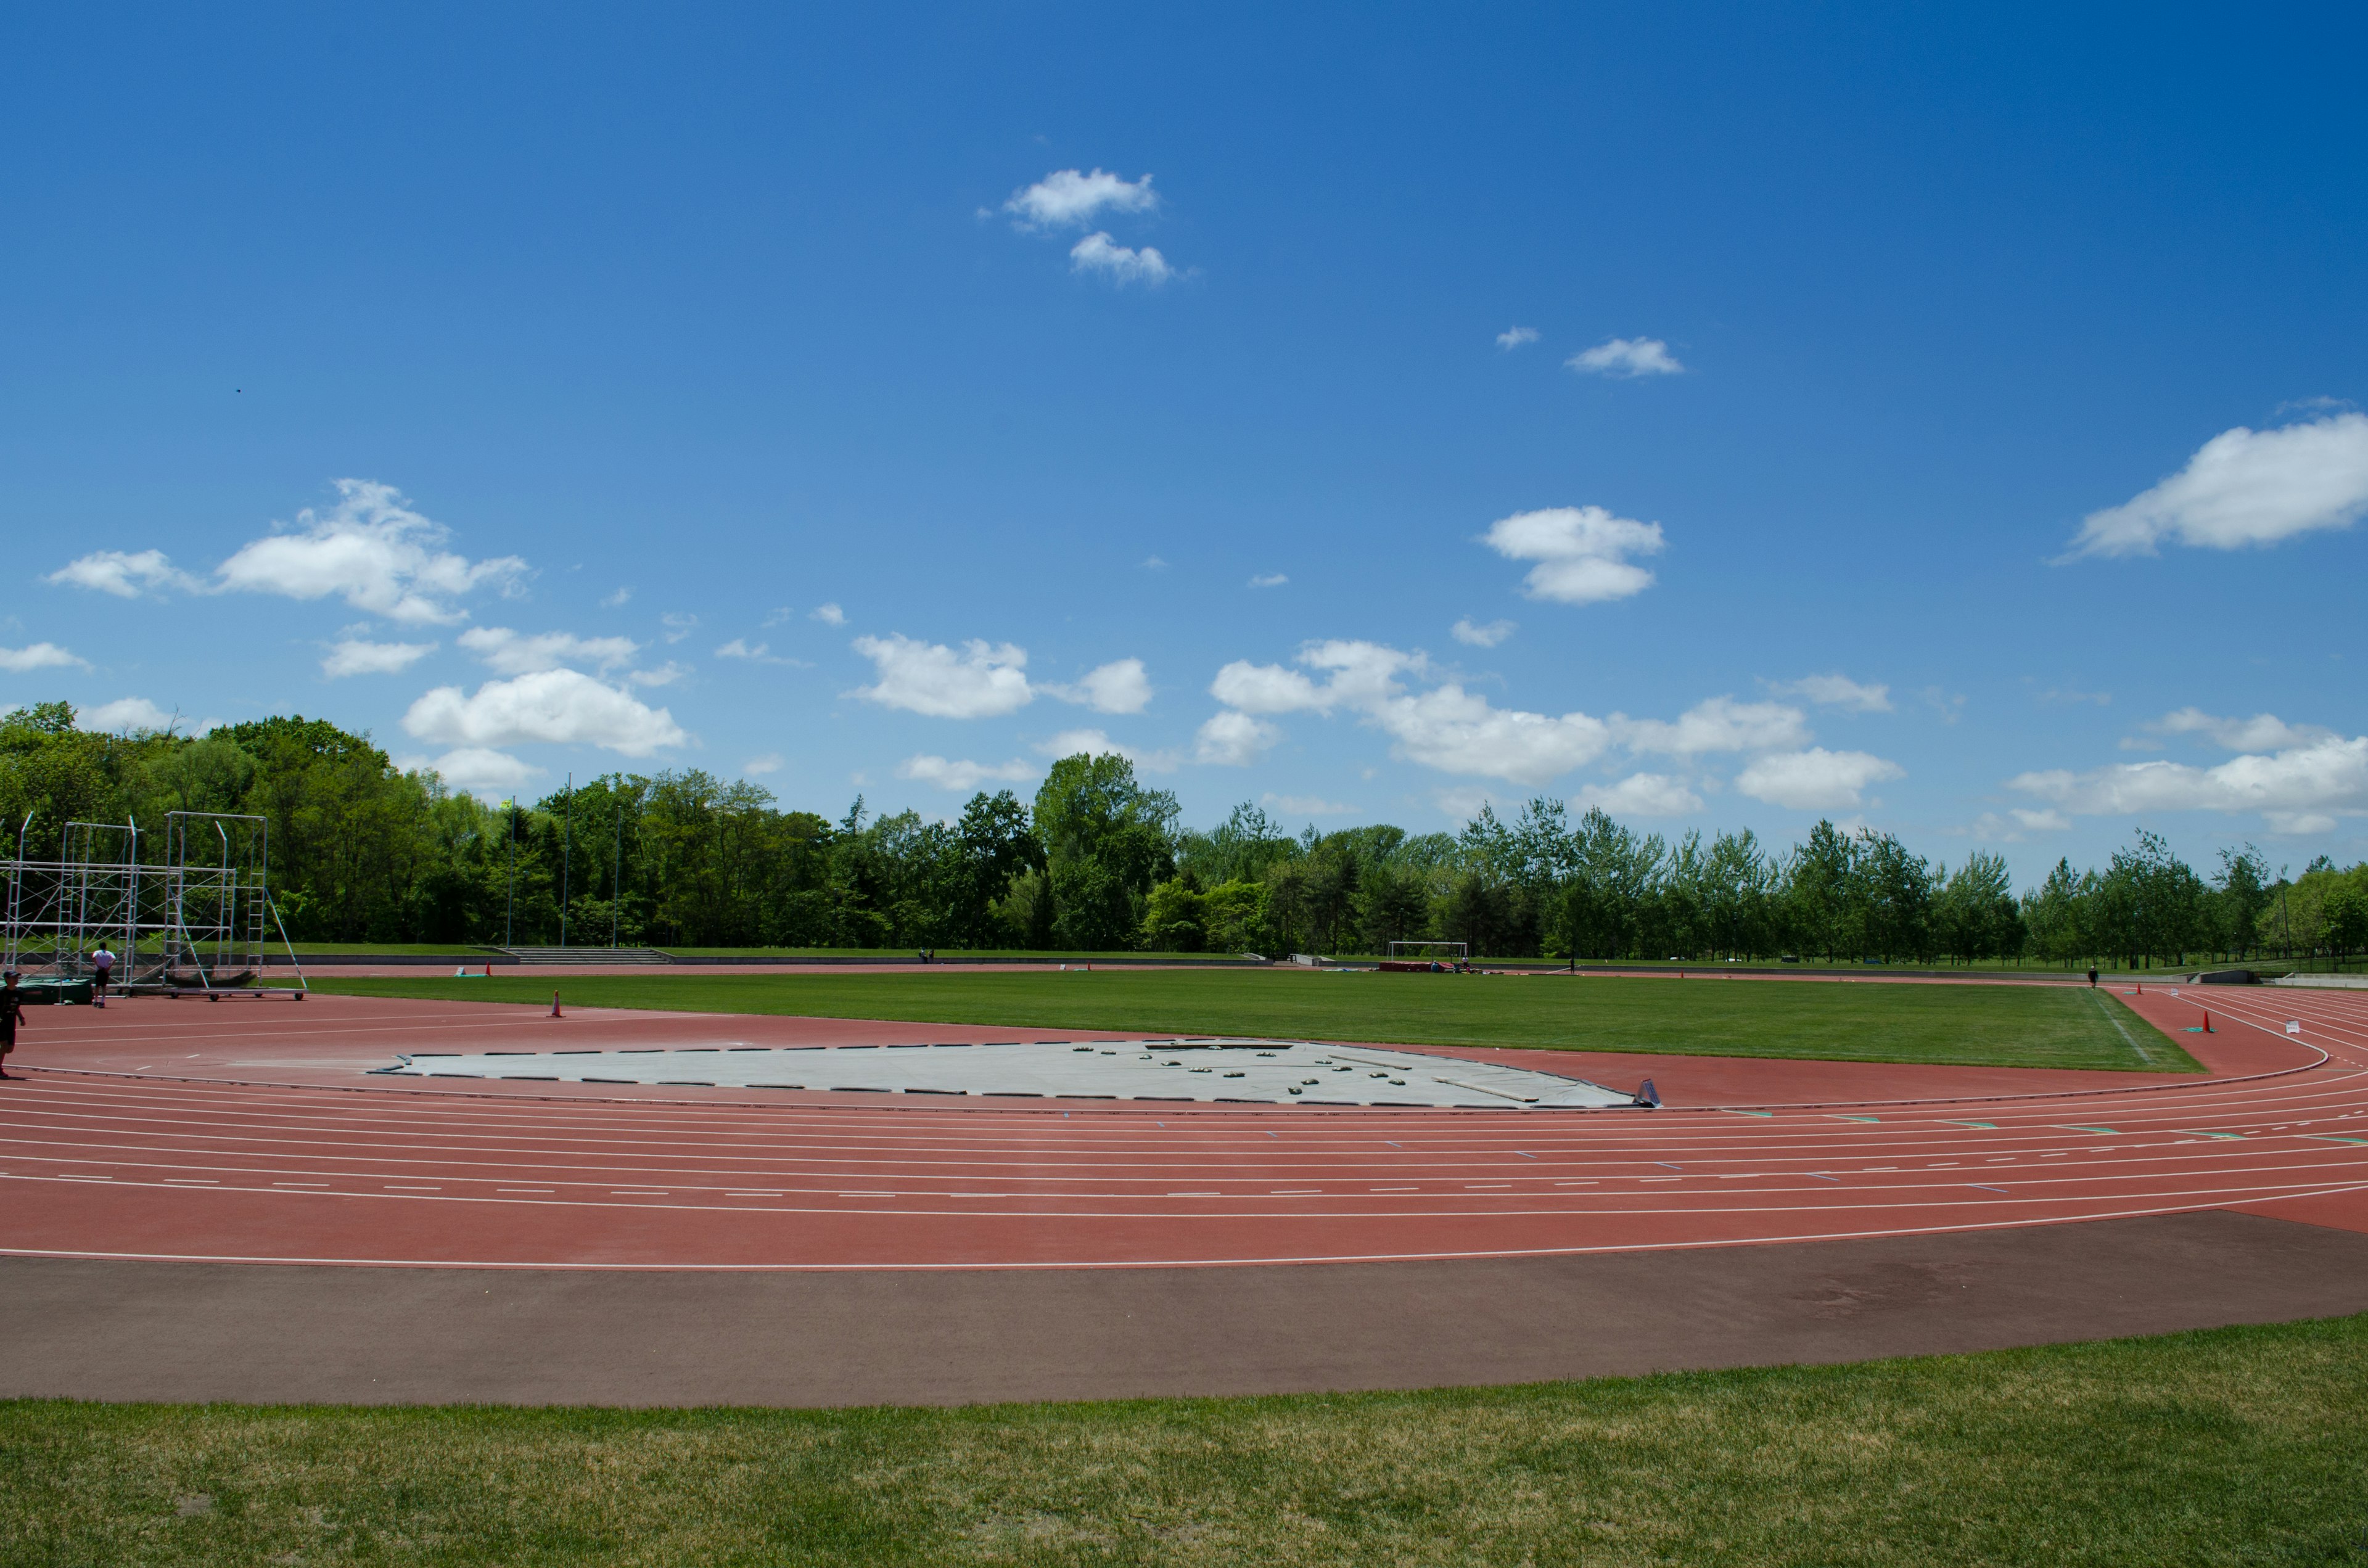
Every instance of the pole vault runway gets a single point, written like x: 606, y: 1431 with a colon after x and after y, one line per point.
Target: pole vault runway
x: 288, y: 1162
x: 531, y: 1242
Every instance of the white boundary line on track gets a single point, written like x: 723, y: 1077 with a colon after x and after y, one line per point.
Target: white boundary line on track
x: 1150, y: 1263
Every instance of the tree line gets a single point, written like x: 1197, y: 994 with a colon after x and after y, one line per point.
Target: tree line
x: 1099, y: 861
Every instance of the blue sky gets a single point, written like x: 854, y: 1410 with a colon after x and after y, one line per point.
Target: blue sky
x: 1947, y: 423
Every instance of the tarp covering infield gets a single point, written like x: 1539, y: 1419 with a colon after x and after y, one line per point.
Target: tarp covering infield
x: 1274, y: 1072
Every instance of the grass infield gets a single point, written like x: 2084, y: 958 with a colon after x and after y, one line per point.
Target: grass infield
x: 1996, y: 1026
x: 2235, y: 1446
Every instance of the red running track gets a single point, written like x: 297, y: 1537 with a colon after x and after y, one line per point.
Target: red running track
x: 264, y: 1145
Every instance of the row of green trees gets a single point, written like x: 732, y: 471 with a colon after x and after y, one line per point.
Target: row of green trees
x: 1099, y: 861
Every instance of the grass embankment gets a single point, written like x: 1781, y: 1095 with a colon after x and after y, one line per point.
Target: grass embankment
x: 2237, y: 1446
x: 2002, y: 1026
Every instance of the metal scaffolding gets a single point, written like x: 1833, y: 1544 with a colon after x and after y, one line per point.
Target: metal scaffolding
x: 190, y: 914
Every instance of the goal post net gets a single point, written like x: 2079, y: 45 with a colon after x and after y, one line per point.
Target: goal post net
x: 1424, y: 954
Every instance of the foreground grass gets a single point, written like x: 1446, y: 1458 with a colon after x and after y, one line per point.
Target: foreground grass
x: 2237, y: 1446
x: 1975, y: 1025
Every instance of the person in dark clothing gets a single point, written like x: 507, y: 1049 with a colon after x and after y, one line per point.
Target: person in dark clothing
x: 102, y: 967
x: 12, y: 1010
x: 2092, y: 977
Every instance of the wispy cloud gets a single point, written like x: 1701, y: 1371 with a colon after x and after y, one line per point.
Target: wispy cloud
x: 759, y: 767
x: 1118, y: 686
x: 829, y: 615
x: 618, y: 599
x: 1268, y: 580
x: 354, y: 656
x: 963, y: 777
x: 38, y: 656
x: 126, y: 575
x: 1626, y: 357
x: 1097, y: 253
x: 1837, y: 691
x: 1487, y: 636
x: 1515, y: 337
x: 512, y: 653
x: 1641, y: 795
x: 1814, y: 780
x: 1067, y: 199
x: 2302, y: 788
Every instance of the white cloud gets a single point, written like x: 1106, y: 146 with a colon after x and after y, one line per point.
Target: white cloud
x: 478, y: 769
x: 355, y: 656
x: 1152, y: 563
x: 38, y: 656
x: 1268, y: 580
x: 509, y: 653
x: 1066, y: 199
x: 1641, y: 795
x: 1267, y: 689
x: 1122, y: 264
x: 669, y: 673
x: 127, y: 575
x: 757, y: 767
x: 1310, y: 806
x: 1514, y: 336
x: 2015, y: 825
x: 2244, y: 487
x: 830, y: 615
x: 1486, y: 636
x: 618, y: 599
x: 1456, y: 731
x: 126, y: 713
x: 754, y: 653
x: 980, y: 682
x: 1120, y: 686
x: 1233, y: 740
x: 1447, y: 727
x: 1626, y: 356
x: 961, y: 777
x: 678, y: 626
x: 2262, y: 731
x: 1721, y: 723
x: 371, y: 550
x: 1581, y: 553
x: 1815, y: 779
x: 563, y: 707
x: 2301, y: 790
x: 1837, y: 691
x: 1094, y: 742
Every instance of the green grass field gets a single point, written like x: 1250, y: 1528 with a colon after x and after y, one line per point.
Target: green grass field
x: 2022, y: 1026
x: 2236, y: 1446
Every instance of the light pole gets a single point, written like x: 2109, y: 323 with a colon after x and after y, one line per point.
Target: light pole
x: 617, y: 871
x: 509, y: 915
x: 566, y: 848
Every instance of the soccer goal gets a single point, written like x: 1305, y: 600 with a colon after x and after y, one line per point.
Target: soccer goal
x: 1419, y: 956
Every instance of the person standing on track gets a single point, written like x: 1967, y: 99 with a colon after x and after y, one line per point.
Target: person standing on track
x: 12, y: 1008
x: 2092, y: 977
x: 102, y: 965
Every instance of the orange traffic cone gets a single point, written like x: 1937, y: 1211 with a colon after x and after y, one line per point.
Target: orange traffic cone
x: 554, y: 1006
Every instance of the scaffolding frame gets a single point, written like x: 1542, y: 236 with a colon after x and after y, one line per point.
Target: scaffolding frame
x: 191, y: 915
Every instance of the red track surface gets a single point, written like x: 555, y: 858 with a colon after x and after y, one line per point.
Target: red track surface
x: 265, y: 1144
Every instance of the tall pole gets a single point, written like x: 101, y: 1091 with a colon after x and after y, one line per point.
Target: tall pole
x: 566, y: 848
x: 617, y: 871
x: 509, y: 916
